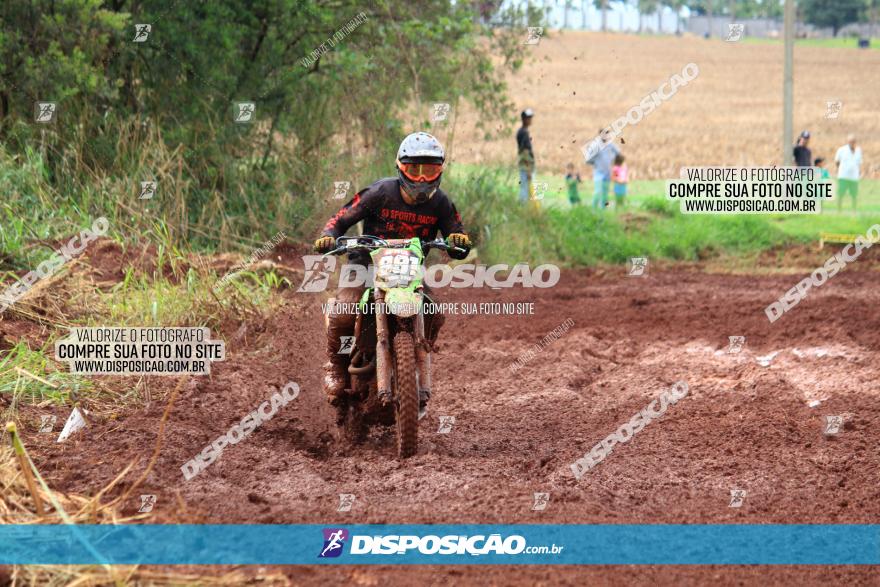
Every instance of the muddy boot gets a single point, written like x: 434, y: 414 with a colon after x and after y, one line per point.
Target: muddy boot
x: 335, y: 382
x: 339, y: 328
x: 433, y: 324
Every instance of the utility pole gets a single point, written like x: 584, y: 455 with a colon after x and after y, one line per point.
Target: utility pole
x: 788, y: 84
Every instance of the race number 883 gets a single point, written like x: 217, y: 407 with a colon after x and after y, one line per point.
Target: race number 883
x: 400, y: 267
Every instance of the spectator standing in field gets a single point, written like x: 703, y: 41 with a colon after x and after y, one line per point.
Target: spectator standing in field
x: 601, y: 160
x: 620, y: 175
x: 849, y: 161
x: 820, y: 163
x: 802, y: 154
x: 525, y: 156
x: 572, y: 180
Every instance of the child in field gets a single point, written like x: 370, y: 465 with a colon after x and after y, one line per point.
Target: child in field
x: 620, y: 177
x: 824, y: 174
x: 572, y: 180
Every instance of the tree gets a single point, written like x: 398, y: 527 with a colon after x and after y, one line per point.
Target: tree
x: 737, y: 9
x: 709, y: 16
x: 603, y: 5
x: 874, y: 9
x: 485, y: 9
x: 769, y: 9
x: 676, y: 6
x: 327, y: 80
x: 645, y: 7
x: 703, y: 8
x: 833, y: 14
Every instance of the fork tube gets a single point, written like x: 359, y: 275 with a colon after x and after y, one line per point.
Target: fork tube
x: 383, y: 349
x: 423, y: 355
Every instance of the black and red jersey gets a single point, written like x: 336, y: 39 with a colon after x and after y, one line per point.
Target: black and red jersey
x: 387, y: 215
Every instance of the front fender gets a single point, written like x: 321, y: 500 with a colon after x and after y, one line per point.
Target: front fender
x: 403, y: 303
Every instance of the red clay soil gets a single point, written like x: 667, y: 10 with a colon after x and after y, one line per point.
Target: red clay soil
x: 743, y: 425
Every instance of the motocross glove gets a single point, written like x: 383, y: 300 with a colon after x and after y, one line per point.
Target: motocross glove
x: 457, y: 239
x: 325, y: 244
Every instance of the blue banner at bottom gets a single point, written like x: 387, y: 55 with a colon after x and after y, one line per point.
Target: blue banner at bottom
x: 418, y: 544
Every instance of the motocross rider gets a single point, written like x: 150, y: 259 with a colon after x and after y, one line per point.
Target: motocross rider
x: 409, y: 205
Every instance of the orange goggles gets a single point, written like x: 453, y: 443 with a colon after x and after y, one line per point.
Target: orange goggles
x: 421, y: 171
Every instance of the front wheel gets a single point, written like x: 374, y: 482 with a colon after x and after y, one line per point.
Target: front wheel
x: 406, y: 394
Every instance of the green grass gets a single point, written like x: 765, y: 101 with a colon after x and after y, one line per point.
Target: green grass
x: 833, y: 43
x: 15, y: 363
x: 179, y: 295
x: 189, y: 297
x: 649, y: 226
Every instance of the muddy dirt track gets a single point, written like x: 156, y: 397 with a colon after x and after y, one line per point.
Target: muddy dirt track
x: 745, y: 424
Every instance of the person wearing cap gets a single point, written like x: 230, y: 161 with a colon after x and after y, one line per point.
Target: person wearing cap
x: 848, y: 160
x: 525, y: 155
x: 803, y: 157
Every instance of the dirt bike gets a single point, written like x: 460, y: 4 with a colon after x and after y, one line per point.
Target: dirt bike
x: 390, y: 364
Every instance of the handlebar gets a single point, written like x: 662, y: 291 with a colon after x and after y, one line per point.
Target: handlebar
x: 366, y: 242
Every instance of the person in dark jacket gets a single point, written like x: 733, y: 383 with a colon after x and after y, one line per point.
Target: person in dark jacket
x: 803, y: 157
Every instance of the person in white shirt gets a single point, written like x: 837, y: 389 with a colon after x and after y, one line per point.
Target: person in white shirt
x: 848, y: 160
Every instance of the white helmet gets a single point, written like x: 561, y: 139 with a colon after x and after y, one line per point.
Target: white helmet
x: 420, y: 161
x: 421, y: 144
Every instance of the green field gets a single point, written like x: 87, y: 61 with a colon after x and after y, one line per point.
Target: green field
x: 649, y: 226
x: 833, y: 43
x: 800, y: 226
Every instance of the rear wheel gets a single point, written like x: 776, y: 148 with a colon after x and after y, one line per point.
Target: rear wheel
x: 406, y: 394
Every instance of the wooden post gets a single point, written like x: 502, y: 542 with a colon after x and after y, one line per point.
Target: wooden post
x: 788, y: 84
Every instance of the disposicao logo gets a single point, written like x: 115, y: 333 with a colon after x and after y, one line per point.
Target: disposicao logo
x: 411, y: 544
x: 334, y: 540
